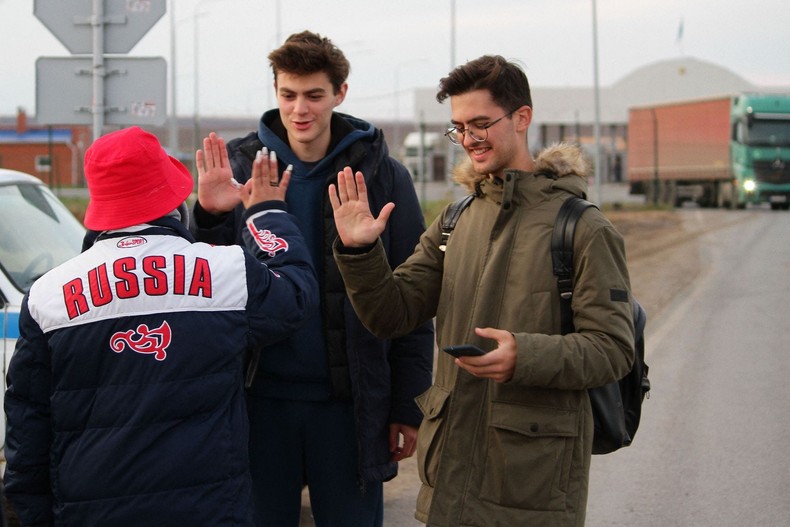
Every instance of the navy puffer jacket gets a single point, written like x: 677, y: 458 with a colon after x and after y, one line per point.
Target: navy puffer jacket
x: 126, y: 401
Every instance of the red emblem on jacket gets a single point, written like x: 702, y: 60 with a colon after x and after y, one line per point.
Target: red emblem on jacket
x: 269, y: 242
x: 143, y: 340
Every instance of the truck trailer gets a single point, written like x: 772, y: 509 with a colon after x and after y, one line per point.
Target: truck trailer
x: 723, y: 151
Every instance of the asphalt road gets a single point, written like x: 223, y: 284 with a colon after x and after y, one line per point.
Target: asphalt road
x: 712, y: 446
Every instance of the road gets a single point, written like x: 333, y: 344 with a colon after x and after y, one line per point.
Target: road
x: 712, y: 446
x: 711, y: 449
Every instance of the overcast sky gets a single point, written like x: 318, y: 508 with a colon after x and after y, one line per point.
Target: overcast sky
x: 394, y: 47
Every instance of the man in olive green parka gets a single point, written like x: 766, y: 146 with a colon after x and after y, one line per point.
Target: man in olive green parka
x: 506, y: 437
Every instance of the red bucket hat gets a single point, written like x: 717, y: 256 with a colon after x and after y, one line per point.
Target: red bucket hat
x: 132, y: 180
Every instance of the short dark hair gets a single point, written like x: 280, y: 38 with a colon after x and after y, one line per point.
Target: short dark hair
x: 306, y: 53
x: 506, y: 81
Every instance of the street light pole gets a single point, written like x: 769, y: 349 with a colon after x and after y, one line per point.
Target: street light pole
x: 396, y: 139
x: 99, y: 71
x: 196, y: 81
x: 396, y: 115
x: 196, y: 32
x: 423, y: 164
x: 597, y: 126
x: 452, y: 34
x: 450, y: 146
x: 173, y: 96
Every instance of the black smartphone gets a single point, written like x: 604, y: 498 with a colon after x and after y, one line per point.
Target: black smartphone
x: 464, y: 350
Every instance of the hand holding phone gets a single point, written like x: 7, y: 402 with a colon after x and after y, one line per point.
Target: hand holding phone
x: 464, y: 350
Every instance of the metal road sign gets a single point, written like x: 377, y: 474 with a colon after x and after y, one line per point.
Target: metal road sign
x: 125, y: 22
x: 135, y: 90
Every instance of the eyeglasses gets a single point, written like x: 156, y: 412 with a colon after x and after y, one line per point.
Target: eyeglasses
x: 478, y: 133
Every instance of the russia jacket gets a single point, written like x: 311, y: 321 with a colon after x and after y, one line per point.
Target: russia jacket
x: 125, y: 397
x: 381, y: 376
x: 518, y: 452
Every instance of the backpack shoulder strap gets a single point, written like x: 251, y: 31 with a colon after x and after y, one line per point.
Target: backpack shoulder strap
x: 562, y: 254
x: 450, y: 218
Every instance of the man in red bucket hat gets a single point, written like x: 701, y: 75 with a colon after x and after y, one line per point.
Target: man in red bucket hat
x: 132, y: 180
x: 125, y: 398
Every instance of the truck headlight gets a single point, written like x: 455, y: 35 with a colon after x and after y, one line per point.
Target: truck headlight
x: 749, y: 185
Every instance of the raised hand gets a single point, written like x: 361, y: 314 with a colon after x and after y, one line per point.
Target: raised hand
x: 264, y: 184
x: 355, y: 224
x: 218, y: 192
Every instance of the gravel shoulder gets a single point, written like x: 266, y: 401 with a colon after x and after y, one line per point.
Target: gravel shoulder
x: 662, y: 260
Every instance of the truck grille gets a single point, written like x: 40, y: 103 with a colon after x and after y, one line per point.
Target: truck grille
x: 776, y: 171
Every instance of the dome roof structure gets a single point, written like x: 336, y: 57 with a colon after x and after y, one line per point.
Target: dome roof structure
x: 659, y: 82
x: 677, y: 79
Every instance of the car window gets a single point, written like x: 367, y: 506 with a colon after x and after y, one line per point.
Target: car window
x: 37, y: 232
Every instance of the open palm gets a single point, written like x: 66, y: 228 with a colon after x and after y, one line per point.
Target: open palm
x: 218, y: 192
x: 355, y: 224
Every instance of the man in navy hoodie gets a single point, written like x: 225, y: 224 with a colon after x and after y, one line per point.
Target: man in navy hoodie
x: 331, y: 407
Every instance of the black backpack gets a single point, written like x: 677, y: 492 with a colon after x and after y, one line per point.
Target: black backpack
x: 617, y: 406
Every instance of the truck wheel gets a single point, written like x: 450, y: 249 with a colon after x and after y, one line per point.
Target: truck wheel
x: 709, y: 196
x: 724, y: 195
x: 650, y: 194
x: 672, y: 194
x: 668, y: 194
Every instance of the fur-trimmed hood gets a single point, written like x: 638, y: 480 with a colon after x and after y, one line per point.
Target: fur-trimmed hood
x: 558, y: 160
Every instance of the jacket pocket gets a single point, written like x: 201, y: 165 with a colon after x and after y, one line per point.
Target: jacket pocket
x: 429, y: 438
x: 528, y: 456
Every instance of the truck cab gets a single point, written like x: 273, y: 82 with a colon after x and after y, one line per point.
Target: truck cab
x: 37, y: 233
x: 760, y: 149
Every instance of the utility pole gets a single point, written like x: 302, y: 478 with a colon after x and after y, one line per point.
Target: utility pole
x: 597, y: 126
x: 97, y: 108
x: 173, y: 95
x: 451, y: 149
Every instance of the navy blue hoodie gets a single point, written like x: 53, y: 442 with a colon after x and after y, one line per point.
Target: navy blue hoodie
x: 333, y: 355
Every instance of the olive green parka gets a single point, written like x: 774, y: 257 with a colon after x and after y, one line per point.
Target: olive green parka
x: 515, y: 453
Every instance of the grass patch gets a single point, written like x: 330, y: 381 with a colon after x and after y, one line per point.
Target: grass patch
x: 634, y: 207
x: 76, y: 206
x: 431, y: 209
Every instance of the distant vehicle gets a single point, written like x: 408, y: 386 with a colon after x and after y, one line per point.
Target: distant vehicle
x: 37, y: 233
x: 724, y: 151
x: 425, y: 152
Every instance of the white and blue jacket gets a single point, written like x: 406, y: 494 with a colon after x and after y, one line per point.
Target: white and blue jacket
x: 125, y: 402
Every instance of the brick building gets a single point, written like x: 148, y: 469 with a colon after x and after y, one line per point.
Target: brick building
x: 53, y: 154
